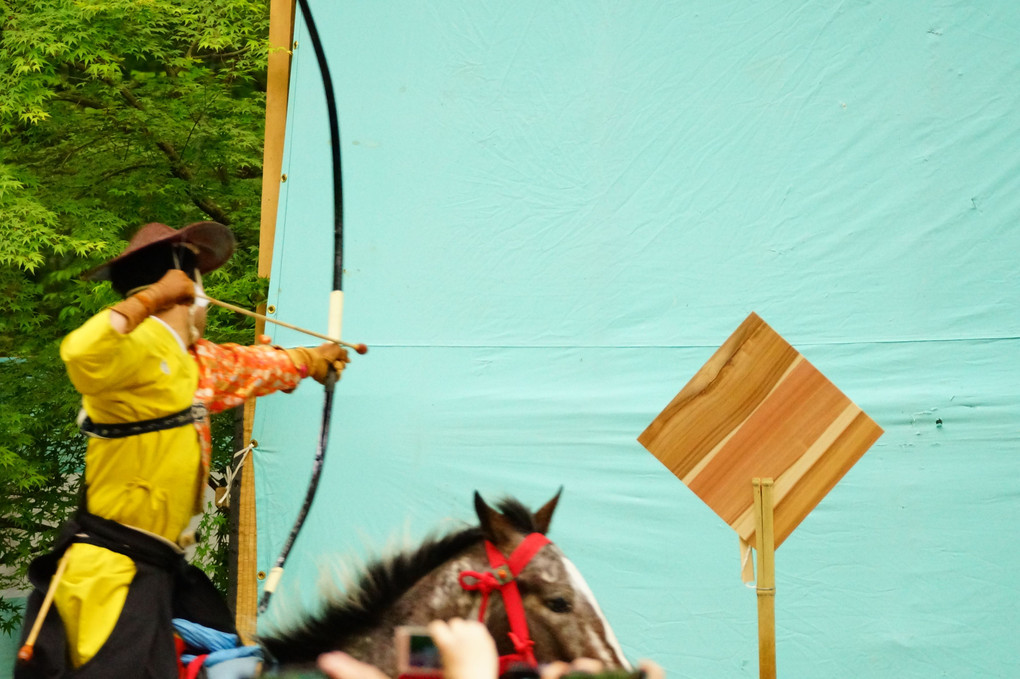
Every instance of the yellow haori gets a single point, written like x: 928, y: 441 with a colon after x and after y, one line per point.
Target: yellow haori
x: 759, y: 409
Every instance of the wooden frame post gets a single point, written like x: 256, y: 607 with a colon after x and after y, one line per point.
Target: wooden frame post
x: 281, y: 32
x: 765, y: 547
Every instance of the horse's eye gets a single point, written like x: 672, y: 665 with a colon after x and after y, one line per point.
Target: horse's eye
x: 558, y: 605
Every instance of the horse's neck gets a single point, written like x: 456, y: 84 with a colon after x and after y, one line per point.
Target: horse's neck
x: 438, y: 595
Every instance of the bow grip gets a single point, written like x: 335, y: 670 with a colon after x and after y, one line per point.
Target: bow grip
x: 336, y: 312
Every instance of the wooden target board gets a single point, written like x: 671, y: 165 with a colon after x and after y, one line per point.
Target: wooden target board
x: 758, y: 408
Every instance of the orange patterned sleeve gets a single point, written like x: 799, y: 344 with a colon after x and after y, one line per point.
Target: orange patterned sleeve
x: 229, y: 374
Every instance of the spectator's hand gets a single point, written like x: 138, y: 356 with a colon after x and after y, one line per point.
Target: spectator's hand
x: 591, y: 666
x: 555, y: 670
x: 338, y: 665
x: 652, y: 670
x: 466, y: 648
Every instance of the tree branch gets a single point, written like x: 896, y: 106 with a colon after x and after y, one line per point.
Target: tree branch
x: 223, y: 55
x: 84, y: 102
x: 34, y: 528
x: 114, y: 173
x: 178, y: 167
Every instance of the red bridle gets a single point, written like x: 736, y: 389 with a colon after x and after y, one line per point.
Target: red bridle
x: 503, y: 577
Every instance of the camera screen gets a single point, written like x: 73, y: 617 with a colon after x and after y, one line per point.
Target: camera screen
x: 421, y: 652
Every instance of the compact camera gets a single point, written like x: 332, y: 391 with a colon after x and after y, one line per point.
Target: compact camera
x: 417, y: 654
x: 417, y: 658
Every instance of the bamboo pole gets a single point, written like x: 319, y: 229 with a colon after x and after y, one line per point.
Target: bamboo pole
x: 765, y: 546
x: 281, y: 31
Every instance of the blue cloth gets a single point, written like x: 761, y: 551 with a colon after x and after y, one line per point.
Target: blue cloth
x: 219, y: 646
x: 238, y: 668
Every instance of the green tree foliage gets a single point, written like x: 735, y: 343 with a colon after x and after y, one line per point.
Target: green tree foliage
x: 113, y: 113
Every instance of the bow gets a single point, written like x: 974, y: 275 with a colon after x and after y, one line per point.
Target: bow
x: 335, y: 307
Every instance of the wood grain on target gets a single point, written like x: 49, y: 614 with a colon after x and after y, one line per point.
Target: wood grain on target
x: 758, y: 408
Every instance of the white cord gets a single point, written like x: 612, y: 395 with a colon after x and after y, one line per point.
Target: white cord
x: 231, y: 473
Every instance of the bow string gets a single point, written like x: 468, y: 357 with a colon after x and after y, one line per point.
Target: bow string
x: 335, y: 305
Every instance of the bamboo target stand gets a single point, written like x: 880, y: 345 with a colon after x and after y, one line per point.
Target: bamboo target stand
x: 766, y: 581
x: 759, y: 414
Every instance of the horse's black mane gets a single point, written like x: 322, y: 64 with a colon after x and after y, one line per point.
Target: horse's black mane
x: 384, y: 581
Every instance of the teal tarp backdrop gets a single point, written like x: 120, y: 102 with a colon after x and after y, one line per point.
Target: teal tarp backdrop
x: 557, y: 211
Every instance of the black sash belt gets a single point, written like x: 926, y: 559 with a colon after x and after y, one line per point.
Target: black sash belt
x: 119, y: 430
x: 136, y: 545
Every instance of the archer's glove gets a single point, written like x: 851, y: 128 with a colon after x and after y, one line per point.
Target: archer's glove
x: 172, y: 289
x: 318, y: 362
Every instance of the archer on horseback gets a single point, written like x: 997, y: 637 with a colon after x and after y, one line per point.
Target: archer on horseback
x: 148, y: 382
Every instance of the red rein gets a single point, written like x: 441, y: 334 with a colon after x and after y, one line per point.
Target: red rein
x: 503, y: 577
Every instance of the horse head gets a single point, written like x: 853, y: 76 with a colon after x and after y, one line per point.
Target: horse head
x: 563, y: 619
x: 477, y: 572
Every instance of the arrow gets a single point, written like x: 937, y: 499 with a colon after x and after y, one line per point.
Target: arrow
x: 360, y: 348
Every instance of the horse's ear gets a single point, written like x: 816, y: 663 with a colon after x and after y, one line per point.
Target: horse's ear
x: 544, y: 515
x: 495, y: 527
